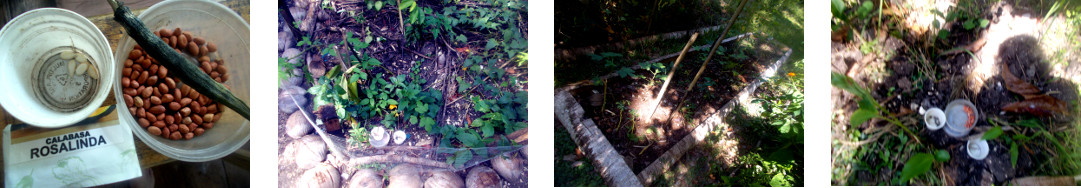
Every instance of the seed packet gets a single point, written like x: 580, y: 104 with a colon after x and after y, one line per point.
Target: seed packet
x: 95, y: 151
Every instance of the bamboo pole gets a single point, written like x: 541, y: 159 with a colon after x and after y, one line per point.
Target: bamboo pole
x: 712, y: 51
x: 672, y: 73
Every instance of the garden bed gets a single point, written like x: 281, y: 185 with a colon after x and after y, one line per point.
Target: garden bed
x: 622, y: 114
x: 450, y: 75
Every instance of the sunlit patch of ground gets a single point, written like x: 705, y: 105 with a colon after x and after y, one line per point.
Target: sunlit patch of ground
x: 1008, y: 25
x: 920, y: 15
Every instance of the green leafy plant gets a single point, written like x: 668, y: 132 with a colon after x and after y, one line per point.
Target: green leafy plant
x: 916, y: 165
x: 611, y: 60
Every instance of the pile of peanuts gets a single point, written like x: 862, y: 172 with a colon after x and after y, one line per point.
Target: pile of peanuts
x: 158, y: 102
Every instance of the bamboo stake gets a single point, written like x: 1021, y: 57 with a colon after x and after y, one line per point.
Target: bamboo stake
x: 712, y: 51
x: 672, y: 73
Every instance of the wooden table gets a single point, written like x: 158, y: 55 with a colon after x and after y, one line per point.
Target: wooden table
x: 114, y: 32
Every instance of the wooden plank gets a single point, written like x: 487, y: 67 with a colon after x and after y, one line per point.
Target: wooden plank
x: 610, y: 164
x: 665, y: 161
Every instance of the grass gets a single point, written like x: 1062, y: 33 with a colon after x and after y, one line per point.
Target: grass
x: 778, y: 158
x: 567, y: 175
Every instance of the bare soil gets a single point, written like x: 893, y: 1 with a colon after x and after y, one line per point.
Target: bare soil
x: 641, y: 139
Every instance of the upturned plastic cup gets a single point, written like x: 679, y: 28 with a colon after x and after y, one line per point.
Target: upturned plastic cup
x: 935, y: 119
x: 977, y: 149
x: 961, y: 117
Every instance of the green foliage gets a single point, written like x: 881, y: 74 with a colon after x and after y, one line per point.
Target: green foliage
x: 611, y: 60
x: 502, y: 17
x: 358, y: 96
x: 785, y: 111
x: 993, y: 133
x: 916, y: 165
x: 868, y: 108
x: 865, y: 9
x: 942, y: 155
x: 837, y: 7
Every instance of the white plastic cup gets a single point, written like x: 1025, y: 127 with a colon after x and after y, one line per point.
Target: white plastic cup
x: 934, y: 119
x: 977, y: 149
x: 28, y: 38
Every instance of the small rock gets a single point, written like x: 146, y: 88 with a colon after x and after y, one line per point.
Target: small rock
x: 290, y: 53
x: 298, y: 72
x: 323, y: 176
x: 297, y: 125
x: 285, y: 40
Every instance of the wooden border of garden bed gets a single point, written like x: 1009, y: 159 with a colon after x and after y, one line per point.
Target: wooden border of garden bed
x: 700, y: 132
x: 567, y: 54
x: 611, y: 165
x: 575, y: 85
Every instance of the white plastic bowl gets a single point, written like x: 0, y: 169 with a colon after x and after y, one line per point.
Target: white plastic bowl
x: 230, y: 32
x: 25, y: 40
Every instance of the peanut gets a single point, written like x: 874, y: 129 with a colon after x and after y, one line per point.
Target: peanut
x: 157, y: 109
x: 154, y: 130
x: 167, y: 98
x: 174, y: 106
x: 160, y: 104
x: 143, y: 122
x: 211, y: 47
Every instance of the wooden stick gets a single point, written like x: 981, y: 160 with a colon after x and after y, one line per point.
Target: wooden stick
x: 712, y: 51
x: 391, y: 158
x: 672, y: 73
